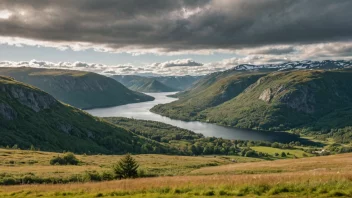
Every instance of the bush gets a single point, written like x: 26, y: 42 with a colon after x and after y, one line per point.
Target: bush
x: 283, y: 154
x: 67, y: 159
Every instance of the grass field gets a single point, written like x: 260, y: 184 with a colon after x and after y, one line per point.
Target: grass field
x: 20, y: 163
x: 328, y: 176
x: 293, y: 153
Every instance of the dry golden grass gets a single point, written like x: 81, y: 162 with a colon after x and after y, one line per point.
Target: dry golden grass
x: 327, y: 176
x: 188, y: 185
x: 335, y: 163
x: 19, y: 162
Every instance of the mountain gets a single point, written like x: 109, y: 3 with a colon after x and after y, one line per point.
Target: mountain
x: 305, y: 64
x: 163, y: 83
x: 178, y: 82
x: 210, y: 91
x: 142, y: 84
x: 307, y: 101
x: 291, y: 99
x: 29, y: 116
x: 84, y: 90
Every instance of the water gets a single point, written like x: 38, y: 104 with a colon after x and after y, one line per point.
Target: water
x: 141, y: 111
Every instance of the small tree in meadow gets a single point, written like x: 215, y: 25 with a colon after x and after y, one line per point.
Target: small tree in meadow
x: 126, y: 167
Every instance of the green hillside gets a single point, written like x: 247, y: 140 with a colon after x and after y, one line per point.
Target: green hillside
x: 29, y: 116
x: 312, y: 102
x: 80, y: 89
x: 210, y: 91
x: 143, y: 84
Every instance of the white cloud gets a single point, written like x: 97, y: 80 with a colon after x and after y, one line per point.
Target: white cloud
x: 5, y: 14
x: 178, y: 63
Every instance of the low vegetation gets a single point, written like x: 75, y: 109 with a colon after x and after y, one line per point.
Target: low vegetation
x: 67, y: 159
x: 186, y: 142
x: 283, y: 178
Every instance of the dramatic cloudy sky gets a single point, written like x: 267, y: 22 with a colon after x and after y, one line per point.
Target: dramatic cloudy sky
x: 171, y: 37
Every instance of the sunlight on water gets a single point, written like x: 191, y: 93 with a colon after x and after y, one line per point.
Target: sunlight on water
x: 141, y: 111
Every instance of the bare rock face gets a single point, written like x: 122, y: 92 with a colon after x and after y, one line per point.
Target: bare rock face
x: 301, y: 100
x: 7, y: 112
x: 268, y: 94
x: 66, y: 128
x: 35, y: 100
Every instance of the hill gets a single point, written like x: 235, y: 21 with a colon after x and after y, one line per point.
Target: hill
x: 311, y: 102
x: 29, y: 116
x: 178, y: 82
x: 83, y: 90
x: 167, y: 83
x: 143, y: 84
x: 210, y: 91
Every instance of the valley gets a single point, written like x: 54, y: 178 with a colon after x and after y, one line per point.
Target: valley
x: 142, y: 111
x: 175, y: 98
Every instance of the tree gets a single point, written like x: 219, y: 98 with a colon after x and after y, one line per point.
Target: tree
x: 126, y: 167
x: 283, y: 154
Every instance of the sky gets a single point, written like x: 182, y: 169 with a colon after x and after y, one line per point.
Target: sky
x: 171, y: 37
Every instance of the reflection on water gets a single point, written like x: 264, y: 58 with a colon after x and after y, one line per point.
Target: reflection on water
x: 141, y: 111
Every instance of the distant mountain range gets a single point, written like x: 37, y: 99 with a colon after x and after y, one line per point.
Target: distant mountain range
x: 306, y: 64
x: 143, y: 84
x: 156, y: 84
x: 78, y: 88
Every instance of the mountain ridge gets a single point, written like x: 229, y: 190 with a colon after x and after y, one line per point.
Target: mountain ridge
x: 81, y: 89
x: 30, y: 116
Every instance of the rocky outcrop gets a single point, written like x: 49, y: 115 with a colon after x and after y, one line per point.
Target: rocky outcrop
x: 32, y: 99
x: 268, y: 94
x: 7, y: 112
x: 301, y: 100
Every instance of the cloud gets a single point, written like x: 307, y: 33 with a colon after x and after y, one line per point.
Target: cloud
x: 174, y: 26
x: 178, y: 63
x: 271, y: 50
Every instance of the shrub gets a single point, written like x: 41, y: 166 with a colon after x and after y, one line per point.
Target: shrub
x: 283, y: 154
x: 67, y: 159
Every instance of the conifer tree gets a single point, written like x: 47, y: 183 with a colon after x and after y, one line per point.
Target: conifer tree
x: 126, y: 167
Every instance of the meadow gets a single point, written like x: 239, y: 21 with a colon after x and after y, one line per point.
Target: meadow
x: 182, y: 176
x: 22, y: 164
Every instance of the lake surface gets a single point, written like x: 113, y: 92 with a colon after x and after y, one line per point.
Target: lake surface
x: 141, y: 111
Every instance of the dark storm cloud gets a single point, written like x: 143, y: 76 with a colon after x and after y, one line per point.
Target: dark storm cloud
x: 173, y: 25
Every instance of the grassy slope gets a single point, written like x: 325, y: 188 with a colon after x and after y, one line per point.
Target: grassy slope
x: 208, y: 92
x: 59, y: 127
x: 77, y: 88
x: 325, y: 94
x: 283, y: 178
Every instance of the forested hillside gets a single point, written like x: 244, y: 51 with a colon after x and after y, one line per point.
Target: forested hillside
x: 81, y: 89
